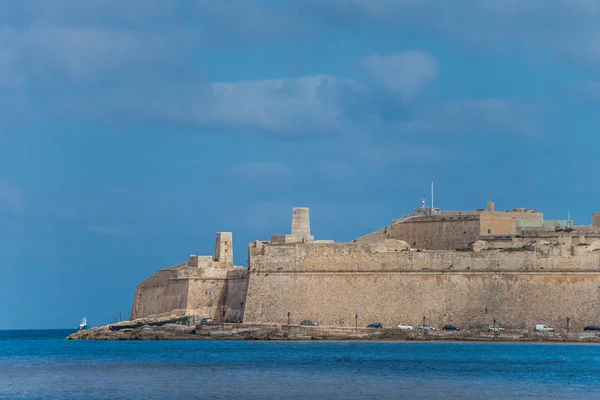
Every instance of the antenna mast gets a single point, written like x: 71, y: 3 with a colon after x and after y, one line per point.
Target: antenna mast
x: 431, y: 196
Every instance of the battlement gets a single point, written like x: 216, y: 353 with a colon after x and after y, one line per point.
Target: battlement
x: 396, y: 256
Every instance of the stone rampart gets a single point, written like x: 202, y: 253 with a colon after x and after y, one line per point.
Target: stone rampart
x: 161, y: 293
x: 440, y: 232
x: 205, y: 286
x: 466, y: 276
x: 355, y: 257
x: 346, y: 284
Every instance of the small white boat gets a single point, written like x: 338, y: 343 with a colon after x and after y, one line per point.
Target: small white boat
x: 83, y: 325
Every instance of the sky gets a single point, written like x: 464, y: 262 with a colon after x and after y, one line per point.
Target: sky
x: 132, y: 131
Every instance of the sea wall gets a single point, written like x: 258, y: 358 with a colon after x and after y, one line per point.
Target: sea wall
x: 348, y: 284
x: 205, y: 286
x: 206, y: 292
x: 220, y: 298
x: 161, y: 293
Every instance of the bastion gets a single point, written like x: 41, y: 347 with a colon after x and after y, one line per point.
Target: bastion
x: 207, y: 286
x: 468, y: 268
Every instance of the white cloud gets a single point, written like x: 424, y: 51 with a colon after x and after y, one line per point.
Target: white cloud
x: 45, y: 53
x: 310, y: 102
x: 90, y: 11
x: 286, y: 105
x: 12, y: 200
x: 58, y: 43
x: 568, y: 28
x: 475, y: 116
x: 403, y: 74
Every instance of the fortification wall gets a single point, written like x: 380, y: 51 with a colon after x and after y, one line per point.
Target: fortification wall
x: 470, y: 300
x: 356, y: 257
x: 220, y: 298
x: 333, y: 283
x: 440, y: 233
x: 159, y: 294
x: 236, y: 293
x: 206, y: 286
x: 210, y: 292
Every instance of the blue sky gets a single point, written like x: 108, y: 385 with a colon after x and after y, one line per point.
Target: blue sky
x: 132, y: 131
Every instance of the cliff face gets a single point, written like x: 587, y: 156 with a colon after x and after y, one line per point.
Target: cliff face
x: 346, y: 284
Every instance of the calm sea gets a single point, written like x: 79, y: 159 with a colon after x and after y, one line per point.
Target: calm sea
x: 42, y: 365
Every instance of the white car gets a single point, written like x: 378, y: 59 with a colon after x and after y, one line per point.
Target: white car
x: 405, y: 327
x: 496, y: 328
x: 543, y: 328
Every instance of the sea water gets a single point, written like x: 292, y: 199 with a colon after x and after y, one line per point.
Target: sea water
x: 42, y: 365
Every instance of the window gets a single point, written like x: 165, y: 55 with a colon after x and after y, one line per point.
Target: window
x: 489, y: 231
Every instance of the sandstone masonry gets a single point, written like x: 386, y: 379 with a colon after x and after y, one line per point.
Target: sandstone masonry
x: 465, y: 268
x: 207, y: 286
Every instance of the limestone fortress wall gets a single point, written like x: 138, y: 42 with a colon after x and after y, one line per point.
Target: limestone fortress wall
x: 464, y: 268
x: 350, y: 284
x: 204, y: 286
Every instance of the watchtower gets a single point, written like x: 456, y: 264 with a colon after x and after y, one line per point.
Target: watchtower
x: 223, y: 247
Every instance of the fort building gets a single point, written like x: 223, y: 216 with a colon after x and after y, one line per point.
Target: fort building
x: 469, y: 268
x: 207, y: 286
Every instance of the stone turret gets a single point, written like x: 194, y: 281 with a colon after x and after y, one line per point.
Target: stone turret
x: 223, y: 256
x: 300, y: 228
x: 223, y: 247
x: 301, y: 225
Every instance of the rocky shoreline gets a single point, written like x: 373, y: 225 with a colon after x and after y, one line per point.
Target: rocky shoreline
x: 184, y: 328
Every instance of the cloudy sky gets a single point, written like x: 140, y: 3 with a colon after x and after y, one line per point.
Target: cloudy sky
x: 132, y: 131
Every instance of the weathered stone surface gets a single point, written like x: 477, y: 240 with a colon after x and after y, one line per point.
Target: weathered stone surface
x: 291, y: 332
x: 465, y: 268
x: 338, y: 284
x: 206, y: 286
x: 480, y: 245
x: 387, y: 245
x: 145, y: 332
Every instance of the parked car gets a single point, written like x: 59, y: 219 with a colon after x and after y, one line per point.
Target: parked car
x: 425, y: 328
x: 405, y: 327
x: 592, y: 328
x: 308, y: 322
x: 450, y: 328
x: 543, y: 328
x: 206, y: 321
x: 494, y: 328
x: 376, y: 325
x: 236, y: 320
